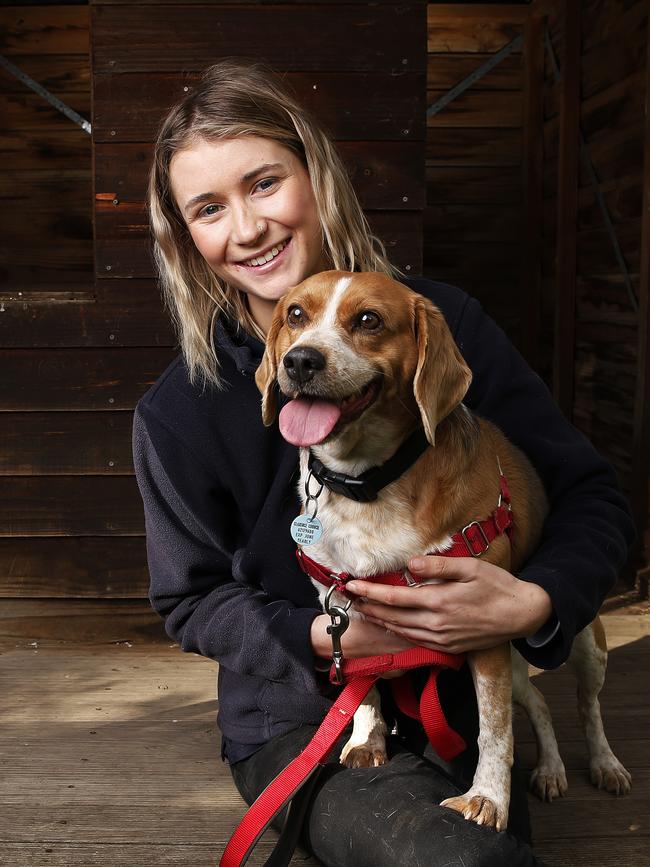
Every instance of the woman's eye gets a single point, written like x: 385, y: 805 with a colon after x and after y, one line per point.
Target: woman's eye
x: 369, y: 320
x: 209, y: 210
x: 295, y: 316
x: 266, y: 184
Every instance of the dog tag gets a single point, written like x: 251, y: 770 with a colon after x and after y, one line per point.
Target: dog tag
x: 306, y: 530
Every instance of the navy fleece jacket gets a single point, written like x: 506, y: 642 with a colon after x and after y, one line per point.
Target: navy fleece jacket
x: 219, y: 493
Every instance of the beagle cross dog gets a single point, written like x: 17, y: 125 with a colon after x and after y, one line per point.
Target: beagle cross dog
x: 367, y: 365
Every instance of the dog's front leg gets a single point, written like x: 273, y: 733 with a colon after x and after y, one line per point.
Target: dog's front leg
x: 367, y: 745
x: 487, y: 802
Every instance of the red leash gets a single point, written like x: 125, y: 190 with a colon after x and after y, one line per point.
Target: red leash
x: 362, y: 675
x: 473, y: 540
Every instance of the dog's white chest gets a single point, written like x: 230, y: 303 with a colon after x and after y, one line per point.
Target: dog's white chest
x: 364, y: 538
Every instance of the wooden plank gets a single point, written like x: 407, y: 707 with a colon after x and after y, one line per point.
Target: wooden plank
x: 612, y: 60
x: 40, y: 149
x: 567, y: 210
x: 474, y: 147
x: 473, y: 223
x: 607, y: 298
x: 68, y: 186
x: 470, y: 12
x: 91, y: 567
x: 400, y: 231
x: 122, y: 315
x: 444, y: 71
x: 58, y: 73
x: 248, y: 2
x: 23, y: 621
x: 473, y: 185
x: 390, y: 38
x: 623, y: 196
x: 70, y: 506
x: 27, y: 30
x: 474, y: 108
x: 54, y: 271
x: 489, y: 262
x: 533, y: 162
x: 472, y: 29
x: 45, y: 222
x: 139, y: 855
x: 61, y: 379
x: 66, y: 443
x: 131, y: 106
x: 640, y: 457
x: 385, y: 175
x: 29, y: 111
x: 595, y: 253
x: 614, y: 19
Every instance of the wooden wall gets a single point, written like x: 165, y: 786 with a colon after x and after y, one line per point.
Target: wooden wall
x: 513, y: 215
x: 595, y: 290
x: 82, y: 329
x: 612, y: 72
x: 473, y: 228
x: 82, y: 345
x: 368, y: 91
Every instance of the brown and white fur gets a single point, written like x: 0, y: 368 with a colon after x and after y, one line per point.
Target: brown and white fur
x: 403, y: 373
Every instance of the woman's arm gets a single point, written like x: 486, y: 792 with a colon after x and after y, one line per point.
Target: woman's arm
x: 193, y: 550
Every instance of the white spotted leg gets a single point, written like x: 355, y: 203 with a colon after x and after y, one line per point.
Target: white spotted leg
x: 588, y: 660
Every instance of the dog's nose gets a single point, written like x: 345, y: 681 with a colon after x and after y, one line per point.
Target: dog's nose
x: 302, y: 363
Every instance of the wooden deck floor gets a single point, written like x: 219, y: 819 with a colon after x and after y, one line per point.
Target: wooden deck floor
x: 109, y: 753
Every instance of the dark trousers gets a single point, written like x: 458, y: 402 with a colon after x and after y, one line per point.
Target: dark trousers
x: 388, y: 816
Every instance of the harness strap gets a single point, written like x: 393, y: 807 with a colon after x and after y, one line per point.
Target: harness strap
x: 472, y: 541
x: 446, y: 742
x: 361, y: 675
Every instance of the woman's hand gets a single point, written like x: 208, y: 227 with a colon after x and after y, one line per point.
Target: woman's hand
x: 475, y: 605
x: 361, y: 638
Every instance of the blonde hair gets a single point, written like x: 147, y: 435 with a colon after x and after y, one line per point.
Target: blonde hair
x: 235, y: 99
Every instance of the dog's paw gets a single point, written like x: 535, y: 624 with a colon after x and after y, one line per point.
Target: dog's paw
x: 609, y: 774
x: 549, y: 782
x: 480, y: 809
x: 363, y: 756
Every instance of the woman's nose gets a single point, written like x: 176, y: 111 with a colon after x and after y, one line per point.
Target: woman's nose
x: 247, y: 227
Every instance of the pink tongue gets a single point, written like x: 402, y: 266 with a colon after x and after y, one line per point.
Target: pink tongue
x: 307, y: 422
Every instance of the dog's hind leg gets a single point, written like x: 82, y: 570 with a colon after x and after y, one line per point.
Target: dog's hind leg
x: 588, y: 660
x: 548, y: 779
x: 367, y: 745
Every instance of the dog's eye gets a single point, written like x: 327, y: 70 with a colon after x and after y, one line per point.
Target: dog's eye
x: 369, y: 320
x: 295, y: 316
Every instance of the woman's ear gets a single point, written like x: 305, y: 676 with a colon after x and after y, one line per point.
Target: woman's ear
x: 441, y: 376
x: 266, y: 374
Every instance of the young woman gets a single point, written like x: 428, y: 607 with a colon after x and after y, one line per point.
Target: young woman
x: 247, y: 198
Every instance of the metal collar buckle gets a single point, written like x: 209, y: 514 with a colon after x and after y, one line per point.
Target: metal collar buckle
x: 469, y: 543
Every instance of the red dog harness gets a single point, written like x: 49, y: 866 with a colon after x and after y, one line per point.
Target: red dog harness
x: 472, y: 541
x: 360, y: 675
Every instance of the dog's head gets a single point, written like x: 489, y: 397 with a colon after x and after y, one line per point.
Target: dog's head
x: 354, y: 349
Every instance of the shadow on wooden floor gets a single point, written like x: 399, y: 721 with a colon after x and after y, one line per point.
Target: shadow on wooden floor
x: 110, y: 751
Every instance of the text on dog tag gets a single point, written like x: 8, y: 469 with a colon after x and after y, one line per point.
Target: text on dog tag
x: 306, y: 530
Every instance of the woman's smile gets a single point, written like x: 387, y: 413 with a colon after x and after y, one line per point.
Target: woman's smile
x: 272, y: 256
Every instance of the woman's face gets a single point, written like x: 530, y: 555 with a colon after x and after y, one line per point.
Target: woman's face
x: 246, y: 200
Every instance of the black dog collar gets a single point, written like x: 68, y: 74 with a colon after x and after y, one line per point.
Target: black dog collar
x: 364, y: 488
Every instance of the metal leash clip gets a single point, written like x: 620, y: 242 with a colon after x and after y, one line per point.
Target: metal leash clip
x: 340, y: 622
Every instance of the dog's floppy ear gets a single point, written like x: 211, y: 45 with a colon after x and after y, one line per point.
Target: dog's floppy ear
x: 441, y: 377
x: 266, y: 373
